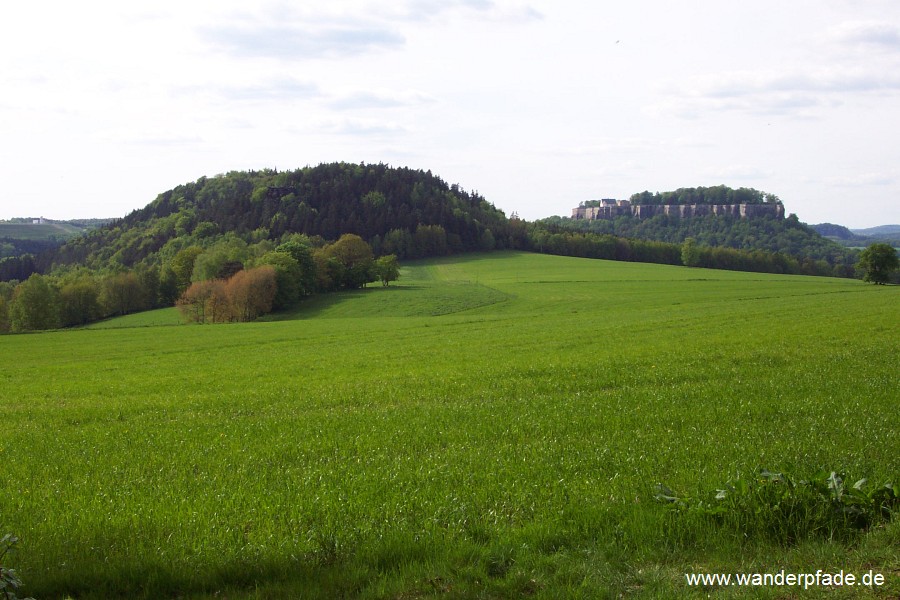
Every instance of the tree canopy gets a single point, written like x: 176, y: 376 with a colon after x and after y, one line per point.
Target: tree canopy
x: 374, y: 202
x: 878, y: 262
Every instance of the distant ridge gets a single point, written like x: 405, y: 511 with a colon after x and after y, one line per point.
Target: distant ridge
x: 878, y: 231
x: 889, y: 234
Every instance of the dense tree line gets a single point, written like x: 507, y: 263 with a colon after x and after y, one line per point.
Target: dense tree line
x: 218, y: 278
x: 554, y: 239
x: 787, y: 236
x: 718, y: 194
x: 12, y: 247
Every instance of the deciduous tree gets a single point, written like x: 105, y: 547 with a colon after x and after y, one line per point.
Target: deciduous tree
x: 205, y: 301
x: 4, y: 315
x: 35, y: 305
x: 878, y: 261
x: 387, y: 269
x: 80, y: 302
x: 122, y: 294
x: 355, y: 255
x: 182, y: 266
x: 690, y: 253
x: 287, y: 275
x: 251, y: 292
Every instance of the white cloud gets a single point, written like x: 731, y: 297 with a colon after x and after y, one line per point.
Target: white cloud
x: 867, y: 34
x: 795, y: 92
x: 863, y: 180
x: 363, y: 127
x: 271, y: 90
x: 380, y: 99
x: 426, y: 10
x: 740, y: 172
x: 299, y: 41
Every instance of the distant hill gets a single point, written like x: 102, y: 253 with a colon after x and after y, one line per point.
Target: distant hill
x: 835, y: 231
x: 35, y: 235
x: 882, y: 231
x: 888, y: 234
x: 45, y: 231
x: 787, y: 236
x: 407, y: 212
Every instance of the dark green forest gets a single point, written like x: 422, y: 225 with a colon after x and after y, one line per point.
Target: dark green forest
x: 787, y: 236
x: 718, y: 194
x: 383, y: 205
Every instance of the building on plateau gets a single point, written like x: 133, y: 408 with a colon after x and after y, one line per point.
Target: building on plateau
x: 610, y: 209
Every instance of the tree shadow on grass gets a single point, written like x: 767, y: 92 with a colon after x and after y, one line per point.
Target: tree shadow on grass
x: 314, y: 306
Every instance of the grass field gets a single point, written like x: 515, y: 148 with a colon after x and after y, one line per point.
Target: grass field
x: 490, y: 426
x: 38, y: 231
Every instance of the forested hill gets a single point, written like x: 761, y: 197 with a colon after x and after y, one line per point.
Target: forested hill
x: 787, y: 236
x: 407, y: 212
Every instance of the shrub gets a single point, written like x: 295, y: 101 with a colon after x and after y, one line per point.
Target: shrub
x: 9, y: 579
x: 778, y: 507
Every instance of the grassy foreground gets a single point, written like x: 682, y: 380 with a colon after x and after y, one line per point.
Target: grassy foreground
x: 493, y: 426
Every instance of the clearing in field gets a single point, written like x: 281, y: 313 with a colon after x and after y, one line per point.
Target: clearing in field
x: 490, y: 426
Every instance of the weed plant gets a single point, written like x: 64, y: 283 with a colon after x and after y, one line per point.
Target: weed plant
x: 789, y: 511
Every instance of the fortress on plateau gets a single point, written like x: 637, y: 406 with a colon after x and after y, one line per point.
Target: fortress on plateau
x: 610, y: 209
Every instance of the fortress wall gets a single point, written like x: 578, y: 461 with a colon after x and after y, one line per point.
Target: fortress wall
x: 646, y: 211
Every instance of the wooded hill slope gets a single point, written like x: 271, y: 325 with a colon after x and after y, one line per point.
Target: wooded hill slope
x: 410, y: 213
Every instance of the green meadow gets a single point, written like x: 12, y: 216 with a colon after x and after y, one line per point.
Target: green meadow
x: 38, y: 231
x: 489, y: 426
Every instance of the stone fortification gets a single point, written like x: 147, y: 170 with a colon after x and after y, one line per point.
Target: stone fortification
x: 610, y: 209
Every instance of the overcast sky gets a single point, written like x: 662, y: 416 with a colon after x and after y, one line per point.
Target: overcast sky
x: 537, y: 105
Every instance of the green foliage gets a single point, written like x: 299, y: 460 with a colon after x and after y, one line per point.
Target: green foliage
x: 487, y: 241
x: 35, y: 305
x: 4, y: 315
x: 10, y: 584
x: 719, y: 194
x: 223, y: 259
x: 559, y: 240
x: 182, y: 266
x: 80, y: 302
x: 299, y: 247
x: 789, y: 510
x: 878, y: 262
x: 387, y: 269
x: 205, y: 230
x: 123, y: 293
x: 814, y: 253
x: 350, y: 262
x: 690, y: 254
x: 327, y: 200
x: 288, y: 278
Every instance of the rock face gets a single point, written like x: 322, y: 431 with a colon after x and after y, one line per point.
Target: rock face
x: 610, y: 209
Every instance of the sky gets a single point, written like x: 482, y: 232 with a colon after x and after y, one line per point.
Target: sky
x: 537, y: 105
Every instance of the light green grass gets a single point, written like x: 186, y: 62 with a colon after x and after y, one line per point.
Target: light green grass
x: 38, y: 231
x: 151, y: 318
x: 490, y: 426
